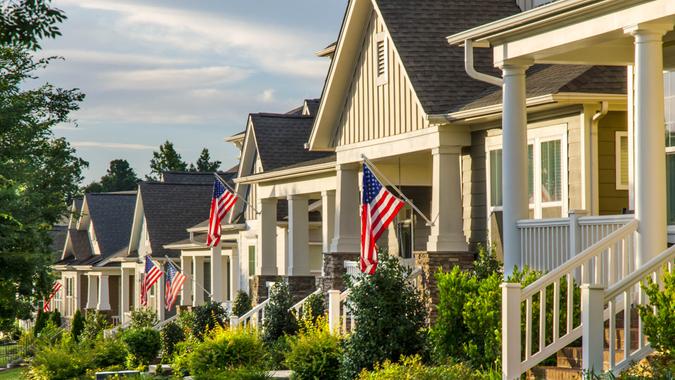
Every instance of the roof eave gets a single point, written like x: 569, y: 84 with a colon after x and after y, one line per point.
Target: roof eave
x: 288, y: 173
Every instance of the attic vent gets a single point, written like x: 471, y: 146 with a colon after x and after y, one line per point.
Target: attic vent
x: 381, y: 58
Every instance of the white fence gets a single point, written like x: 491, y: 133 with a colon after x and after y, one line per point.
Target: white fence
x: 548, y: 243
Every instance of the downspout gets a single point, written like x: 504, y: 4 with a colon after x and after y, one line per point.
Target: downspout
x: 471, y: 70
x: 595, y: 121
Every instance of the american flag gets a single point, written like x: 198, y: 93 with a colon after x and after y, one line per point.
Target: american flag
x: 152, y: 274
x: 378, y: 208
x: 47, y: 303
x: 221, y: 202
x: 174, y: 280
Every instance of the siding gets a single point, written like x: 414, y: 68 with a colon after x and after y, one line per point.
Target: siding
x: 474, y: 192
x: 371, y: 111
x: 612, y: 201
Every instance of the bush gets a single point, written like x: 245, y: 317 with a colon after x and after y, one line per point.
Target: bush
x: 278, y: 320
x: 143, y: 317
x: 390, y: 315
x: 207, y: 317
x: 314, y: 353
x: 659, y: 325
x: 55, y: 317
x: 313, y: 309
x: 242, y: 304
x: 225, y: 350
x: 94, y: 324
x: 40, y: 322
x: 109, y: 353
x: 77, y: 326
x: 412, y: 368
x: 171, y: 334
x: 276, y: 353
x: 143, y: 345
x: 58, y: 362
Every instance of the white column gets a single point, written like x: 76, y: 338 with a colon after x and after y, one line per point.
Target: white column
x: 650, y: 160
x: 159, y: 297
x: 592, y: 301
x: 92, y: 291
x: 266, y: 262
x: 347, y: 224
x: 186, y: 292
x: 77, y: 293
x: 298, y: 236
x: 138, y: 280
x: 447, y: 234
x: 103, y: 292
x: 216, y: 274
x: 198, y: 283
x: 327, y: 218
x: 234, y: 273
x: 124, y: 293
x: 225, y: 279
x: 514, y: 161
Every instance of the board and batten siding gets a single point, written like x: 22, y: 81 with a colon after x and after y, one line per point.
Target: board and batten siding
x: 612, y: 200
x: 373, y: 111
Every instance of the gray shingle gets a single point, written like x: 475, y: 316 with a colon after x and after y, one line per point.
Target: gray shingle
x: 112, y: 215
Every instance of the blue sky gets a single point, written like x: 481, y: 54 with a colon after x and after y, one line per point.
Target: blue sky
x: 184, y: 71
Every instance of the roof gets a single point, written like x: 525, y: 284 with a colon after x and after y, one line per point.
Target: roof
x: 312, y: 106
x: 112, y: 216
x: 171, y: 208
x: 80, y: 248
x: 198, y: 178
x: 281, y: 138
x: 58, y: 234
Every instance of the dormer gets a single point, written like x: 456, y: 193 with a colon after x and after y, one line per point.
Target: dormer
x: 526, y: 5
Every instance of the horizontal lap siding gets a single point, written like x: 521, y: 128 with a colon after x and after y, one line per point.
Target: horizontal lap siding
x: 372, y: 112
x: 474, y: 192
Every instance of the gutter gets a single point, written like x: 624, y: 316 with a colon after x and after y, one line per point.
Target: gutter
x: 288, y: 173
x: 471, y: 70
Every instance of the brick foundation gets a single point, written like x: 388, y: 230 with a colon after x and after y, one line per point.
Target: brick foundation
x: 334, y: 270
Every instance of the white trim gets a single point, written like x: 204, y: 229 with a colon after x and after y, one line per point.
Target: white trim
x: 617, y: 158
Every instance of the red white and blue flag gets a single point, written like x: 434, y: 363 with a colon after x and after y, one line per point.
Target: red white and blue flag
x: 174, y: 280
x: 152, y: 274
x: 378, y: 208
x: 47, y: 302
x: 221, y: 203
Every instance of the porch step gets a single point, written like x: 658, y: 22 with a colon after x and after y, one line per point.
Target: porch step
x: 553, y: 373
x: 570, y: 357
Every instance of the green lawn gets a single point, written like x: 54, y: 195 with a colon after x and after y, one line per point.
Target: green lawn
x: 11, y: 374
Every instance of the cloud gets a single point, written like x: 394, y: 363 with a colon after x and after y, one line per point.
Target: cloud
x: 267, y: 95
x: 112, y: 58
x: 138, y: 114
x: 110, y: 145
x: 173, y: 78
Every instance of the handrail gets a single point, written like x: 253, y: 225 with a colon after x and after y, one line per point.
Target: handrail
x: 161, y: 324
x: 542, y: 222
x: 637, y: 276
x: 299, y: 304
x: 609, y: 219
x: 254, y: 310
x: 579, y: 259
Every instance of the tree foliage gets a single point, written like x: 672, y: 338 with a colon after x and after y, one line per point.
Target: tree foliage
x: 659, y: 315
x: 165, y: 160
x: 204, y: 163
x: 120, y: 177
x: 24, y: 22
x: 242, y: 304
x: 278, y: 321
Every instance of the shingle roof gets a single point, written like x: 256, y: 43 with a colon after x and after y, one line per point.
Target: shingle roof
x: 198, y: 178
x: 436, y: 70
x: 312, y: 106
x: 80, y: 248
x: 281, y: 139
x: 170, y: 209
x: 112, y: 216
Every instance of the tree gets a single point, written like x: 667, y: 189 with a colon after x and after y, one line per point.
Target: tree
x: 77, y: 325
x: 167, y: 159
x: 39, y: 173
x: 204, y: 163
x: 120, y: 177
x: 24, y: 22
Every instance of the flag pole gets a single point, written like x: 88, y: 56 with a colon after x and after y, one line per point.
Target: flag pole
x: 398, y: 191
x: 234, y: 192
x: 190, y: 277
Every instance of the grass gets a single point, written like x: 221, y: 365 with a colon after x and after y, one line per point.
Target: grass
x: 11, y: 374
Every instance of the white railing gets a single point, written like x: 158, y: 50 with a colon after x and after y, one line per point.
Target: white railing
x: 253, y: 318
x: 163, y: 323
x: 352, y: 268
x: 299, y: 307
x: 548, y: 243
x: 606, y: 262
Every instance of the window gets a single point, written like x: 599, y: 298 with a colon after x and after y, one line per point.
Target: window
x: 621, y: 165
x: 547, y: 170
x: 251, y: 260
x: 669, y: 98
x: 381, y: 58
x: 405, y: 232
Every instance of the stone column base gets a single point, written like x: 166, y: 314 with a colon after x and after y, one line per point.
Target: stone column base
x: 301, y: 286
x: 334, y: 269
x: 430, y: 262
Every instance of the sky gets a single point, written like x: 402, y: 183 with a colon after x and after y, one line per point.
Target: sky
x: 185, y: 71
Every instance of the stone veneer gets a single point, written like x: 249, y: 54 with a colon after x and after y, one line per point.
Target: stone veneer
x: 334, y: 270
x: 299, y: 286
x: 258, y: 287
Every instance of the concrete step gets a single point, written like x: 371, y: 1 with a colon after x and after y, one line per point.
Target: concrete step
x: 570, y: 357
x: 553, y: 373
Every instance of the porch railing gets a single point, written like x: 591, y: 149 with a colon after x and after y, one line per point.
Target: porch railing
x: 252, y: 318
x: 548, y: 243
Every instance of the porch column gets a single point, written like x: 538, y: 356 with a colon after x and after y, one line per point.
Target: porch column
x: 91, y: 291
x: 347, y: 225
x: 124, y: 293
x: 514, y: 161
x: 650, y: 161
x: 298, y: 236
x: 266, y: 262
x: 198, y: 280
x: 77, y: 294
x: 103, y: 293
x: 327, y: 221
x: 446, y: 202
x: 234, y: 273
x: 186, y: 291
x: 159, y: 298
x: 216, y: 274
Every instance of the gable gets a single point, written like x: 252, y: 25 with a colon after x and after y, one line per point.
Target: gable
x: 378, y: 108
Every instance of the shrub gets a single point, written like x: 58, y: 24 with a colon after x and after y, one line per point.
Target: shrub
x: 390, y: 315
x: 77, y: 326
x: 225, y: 350
x: 659, y: 324
x: 180, y: 363
x: 94, y: 324
x: 242, y: 304
x: 313, y: 309
x: 143, y: 345
x: 109, y: 353
x: 276, y: 353
x: 55, y: 317
x: 207, y: 317
x: 412, y: 368
x: 171, y: 334
x: 278, y: 320
x: 58, y: 362
x: 185, y: 321
x: 40, y: 322
x: 314, y: 353
x: 143, y: 317
x: 486, y: 263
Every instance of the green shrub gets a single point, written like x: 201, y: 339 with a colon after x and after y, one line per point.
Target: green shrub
x: 40, y: 321
x: 659, y: 325
x: 55, y: 317
x: 207, y: 317
x: 412, y: 368
x: 390, y: 315
x: 171, y: 334
x: 486, y: 263
x: 242, y: 304
x: 185, y: 321
x: 226, y: 350
x: 109, y: 353
x: 314, y: 353
x: 143, y: 345
x: 77, y: 326
x: 278, y: 321
x: 180, y: 363
x: 235, y: 374
x: 94, y: 324
x: 313, y: 309
x: 58, y: 362
x: 276, y: 353
x: 143, y: 317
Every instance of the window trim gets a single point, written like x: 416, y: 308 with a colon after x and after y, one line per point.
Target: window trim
x: 535, y: 136
x: 618, y: 135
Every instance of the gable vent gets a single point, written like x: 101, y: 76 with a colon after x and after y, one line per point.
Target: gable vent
x: 381, y: 58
